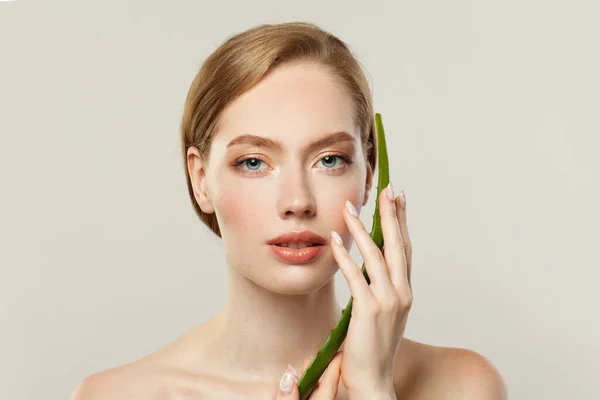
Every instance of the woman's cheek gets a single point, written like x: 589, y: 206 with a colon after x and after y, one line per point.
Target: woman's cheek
x: 336, y: 208
x: 237, y: 211
x: 355, y: 194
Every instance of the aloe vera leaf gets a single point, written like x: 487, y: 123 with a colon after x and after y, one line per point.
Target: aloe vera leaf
x: 316, y: 368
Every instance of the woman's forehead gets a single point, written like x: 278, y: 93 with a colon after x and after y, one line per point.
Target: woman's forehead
x: 292, y: 100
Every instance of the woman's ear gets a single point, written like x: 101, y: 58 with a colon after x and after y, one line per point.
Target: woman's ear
x: 197, y: 173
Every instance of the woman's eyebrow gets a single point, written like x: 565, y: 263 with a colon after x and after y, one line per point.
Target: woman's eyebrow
x: 259, y: 141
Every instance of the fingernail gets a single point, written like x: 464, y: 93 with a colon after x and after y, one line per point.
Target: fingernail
x: 390, y: 191
x: 403, y: 199
x: 351, y: 208
x: 336, y: 237
x: 287, y: 382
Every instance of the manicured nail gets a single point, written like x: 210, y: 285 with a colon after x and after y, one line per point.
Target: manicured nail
x: 351, y: 208
x: 287, y: 382
x: 336, y: 237
x: 403, y: 199
x: 390, y: 191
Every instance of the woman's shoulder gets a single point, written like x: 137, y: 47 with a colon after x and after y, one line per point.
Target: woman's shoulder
x: 436, y: 372
x: 158, y: 379
x: 140, y: 380
x: 163, y: 374
x: 136, y: 380
x: 172, y: 371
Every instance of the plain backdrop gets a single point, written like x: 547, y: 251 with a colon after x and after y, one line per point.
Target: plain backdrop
x: 491, y: 110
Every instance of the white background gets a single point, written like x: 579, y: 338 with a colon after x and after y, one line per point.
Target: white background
x: 491, y: 114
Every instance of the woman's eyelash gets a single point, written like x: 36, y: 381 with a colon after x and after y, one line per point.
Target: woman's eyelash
x: 238, y: 164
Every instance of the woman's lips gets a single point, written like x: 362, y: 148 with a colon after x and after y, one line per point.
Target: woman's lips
x: 296, y: 256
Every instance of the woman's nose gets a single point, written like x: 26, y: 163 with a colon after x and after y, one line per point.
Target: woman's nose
x: 296, y: 199
x: 299, y: 208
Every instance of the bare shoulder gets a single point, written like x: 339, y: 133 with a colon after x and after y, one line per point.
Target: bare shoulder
x: 454, y: 373
x: 469, y: 375
x: 171, y: 372
x: 131, y: 381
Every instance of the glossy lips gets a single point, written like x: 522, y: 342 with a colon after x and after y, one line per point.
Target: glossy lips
x: 297, y: 256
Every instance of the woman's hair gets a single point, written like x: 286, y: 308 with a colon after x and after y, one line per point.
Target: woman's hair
x: 243, y: 60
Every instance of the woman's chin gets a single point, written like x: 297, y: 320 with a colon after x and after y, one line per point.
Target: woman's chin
x: 299, y: 279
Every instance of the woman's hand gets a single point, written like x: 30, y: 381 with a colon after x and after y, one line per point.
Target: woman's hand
x: 380, y: 310
x: 326, y: 388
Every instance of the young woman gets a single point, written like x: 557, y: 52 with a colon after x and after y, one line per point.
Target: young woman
x: 279, y: 144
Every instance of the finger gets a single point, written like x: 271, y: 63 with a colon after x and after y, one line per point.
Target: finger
x: 328, y: 385
x: 288, y: 386
x: 359, y: 288
x: 372, y: 256
x: 401, y: 215
x: 394, y: 255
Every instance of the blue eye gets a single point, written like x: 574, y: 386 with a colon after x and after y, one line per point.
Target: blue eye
x: 329, y: 159
x: 251, y: 162
x: 257, y: 161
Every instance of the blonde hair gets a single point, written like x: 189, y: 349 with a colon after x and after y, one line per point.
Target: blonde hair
x: 243, y: 60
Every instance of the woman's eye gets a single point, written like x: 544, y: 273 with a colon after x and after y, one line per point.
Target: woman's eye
x: 252, y: 163
x: 330, y: 161
x: 249, y: 165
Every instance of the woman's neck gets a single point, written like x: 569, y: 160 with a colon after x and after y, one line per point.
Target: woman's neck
x: 259, y: 332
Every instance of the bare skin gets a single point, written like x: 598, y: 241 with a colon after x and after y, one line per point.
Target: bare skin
x: 425, y: 372
x: 278, y: 314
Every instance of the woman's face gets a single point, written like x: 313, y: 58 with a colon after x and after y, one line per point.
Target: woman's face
x: 259, y: 191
